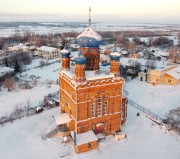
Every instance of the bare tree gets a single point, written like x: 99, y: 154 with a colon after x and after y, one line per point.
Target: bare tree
x: 130, y: 47
x: 173, y: 119
x: 174, y: 54
x: 9, y: 84
x: 41, y: 63
x: 151, y: 64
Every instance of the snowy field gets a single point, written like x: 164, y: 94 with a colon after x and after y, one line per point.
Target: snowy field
x: 49, y: 72
x: 145, y: 140
x: 9, y: 100
x: 158, y: 99
x: 36, y: 62
x: 8, y: 31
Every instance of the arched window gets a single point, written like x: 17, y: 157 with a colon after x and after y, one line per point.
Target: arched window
x: 105, y: 107
x: 99, y: 109
x: 93, y: 110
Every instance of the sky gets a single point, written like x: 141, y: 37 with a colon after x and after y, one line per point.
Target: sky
x: 125, y: 11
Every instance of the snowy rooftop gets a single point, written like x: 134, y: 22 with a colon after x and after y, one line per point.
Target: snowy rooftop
x: 89, y: 32
x: 174, y: 73
x: 85, y: 137
x: 47, y: 48
x: 90, y: 75
x: 62, y: 118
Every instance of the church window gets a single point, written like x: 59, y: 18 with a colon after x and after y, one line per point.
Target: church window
x: 93, y: 110
x: 105, y: 107
x: 99, y: 110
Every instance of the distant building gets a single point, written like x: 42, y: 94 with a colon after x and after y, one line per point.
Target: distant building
x: 92, y: 105
x: 170, y: 76
x: 49, y: 52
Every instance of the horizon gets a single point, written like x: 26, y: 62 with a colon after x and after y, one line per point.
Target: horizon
x: 129, y: 11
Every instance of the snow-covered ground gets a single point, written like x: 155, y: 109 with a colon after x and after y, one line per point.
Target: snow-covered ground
x: 8, y: 31
x: 23, y: 140
x: 49, y: 72
x: 159, y: 99
x: 9, y: 100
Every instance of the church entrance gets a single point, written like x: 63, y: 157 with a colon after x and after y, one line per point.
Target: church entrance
x: 99, y: 128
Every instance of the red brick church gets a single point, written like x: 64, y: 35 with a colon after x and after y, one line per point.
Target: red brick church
x: 91, y: 100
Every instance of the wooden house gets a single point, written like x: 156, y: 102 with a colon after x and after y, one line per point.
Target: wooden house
x: 169, y: 75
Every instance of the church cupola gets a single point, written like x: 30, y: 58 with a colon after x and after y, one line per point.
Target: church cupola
x: 65, y: 53
x: 89, y: 42
x: 80, y: 62
x: 114, y: 63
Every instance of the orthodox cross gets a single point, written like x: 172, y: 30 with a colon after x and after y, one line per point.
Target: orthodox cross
x: 89, y: 16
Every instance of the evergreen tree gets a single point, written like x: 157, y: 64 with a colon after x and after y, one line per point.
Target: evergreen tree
x: 17, y: 66
x: 5, y: 61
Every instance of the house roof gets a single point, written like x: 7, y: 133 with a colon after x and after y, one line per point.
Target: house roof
x: 62, y: 118
x: 85, y: 137
x: 175, y: 73
x: 47, y: 48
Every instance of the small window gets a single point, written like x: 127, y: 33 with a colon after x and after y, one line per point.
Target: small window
x: 67, y: 104
x: 93, y: 110
x: 89, y: 144
x: 169, y: 81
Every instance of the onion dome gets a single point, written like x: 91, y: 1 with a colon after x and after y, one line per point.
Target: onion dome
x: 65, y: 52
x: 89, y: 38
x: 115, y: 56
x: 80, y: 60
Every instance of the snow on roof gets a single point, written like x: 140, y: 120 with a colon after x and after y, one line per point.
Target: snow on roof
x: 174, y: 73
x: 85, y: 137
x: 47, y: 48
x: 4, y: 70
x: 62, y: 118
x: 124, y: 52
x: 115, y: 54
x: 89, y: 32
x: 90, y: 75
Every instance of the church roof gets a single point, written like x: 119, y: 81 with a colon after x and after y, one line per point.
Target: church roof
x: 115, y: 56
x: 89, y: 38
x: 65, y: 52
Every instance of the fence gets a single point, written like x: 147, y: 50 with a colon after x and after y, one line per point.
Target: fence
x: 146, y: 111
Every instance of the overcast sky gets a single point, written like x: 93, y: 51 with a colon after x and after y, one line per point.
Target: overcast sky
x: 125, y: 11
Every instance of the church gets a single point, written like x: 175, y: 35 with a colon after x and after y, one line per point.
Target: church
x: 91, y: 98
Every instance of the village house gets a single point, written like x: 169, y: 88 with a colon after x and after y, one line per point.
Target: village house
x: 92, y: 104
x: 48, y: 52
x: 169, y: 75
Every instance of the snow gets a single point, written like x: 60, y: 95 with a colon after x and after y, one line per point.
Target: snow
x: 85, y: 137
x: 23, y: 139
x: 115, y: 54
x: 47, y: 48
x: 158, y: 99
x: 62, y: 118
x: 89, y: 32
x: 90, y: 75
x: 5, y: 70
x: 49, y: 72
x: 9, y: 100
x: 174, y: 73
